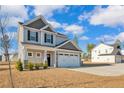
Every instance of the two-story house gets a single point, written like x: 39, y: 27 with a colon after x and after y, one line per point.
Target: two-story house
x: 104, y: 53
x: 38, y: 42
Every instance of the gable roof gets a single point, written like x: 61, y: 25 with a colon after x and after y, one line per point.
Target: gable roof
x: 101, y: 44
x: 69, y: 45
x: 39, y: 22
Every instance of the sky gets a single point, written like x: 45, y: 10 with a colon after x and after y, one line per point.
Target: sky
x: 92, y: 24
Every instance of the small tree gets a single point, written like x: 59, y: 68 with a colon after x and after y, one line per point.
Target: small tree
x: 5, y: 41
x: 89, y: 49
x: 75, y: 39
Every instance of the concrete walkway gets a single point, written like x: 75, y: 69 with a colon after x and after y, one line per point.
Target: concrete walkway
x: 102, y: 70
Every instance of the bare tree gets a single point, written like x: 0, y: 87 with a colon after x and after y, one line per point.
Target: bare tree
x: 5, y: 42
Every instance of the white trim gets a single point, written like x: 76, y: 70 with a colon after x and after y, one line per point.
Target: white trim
x: 65, y: 50
x: 75, y: 45
x: 103, y: 44
x: 31, y: 53
x: 42, y: 18
x: 44, y: 27
x: 47, y: 31
x: 63, y: 36
x: 63, y: 44
x: 36, y: 18
x: 30, y: 28
x: 66, y: 43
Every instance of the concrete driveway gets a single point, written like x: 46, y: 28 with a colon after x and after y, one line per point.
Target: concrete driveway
x: 102, y: 69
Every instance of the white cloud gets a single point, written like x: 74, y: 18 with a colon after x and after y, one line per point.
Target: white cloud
x: 120, y: 36
x: 84, y: 16
x: 107, y: 38
x: 74, y: 29
x: 55, y: 24
x: 14, y: 14
x: 110, y: 16
x: 111, y: 38
x: 80, y: 17
x: 47, y: 10
x: 13, y: 21
x: 16, y: 10
x: 84, y: 38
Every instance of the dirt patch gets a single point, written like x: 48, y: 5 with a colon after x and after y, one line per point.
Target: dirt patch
x: 57, y: 78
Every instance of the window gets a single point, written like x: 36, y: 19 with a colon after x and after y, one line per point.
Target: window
x: 71, y: 54
x: 106, y: 51
x: 99, y: 51
x: 30, y: 54
x: 32, y: 36
x: 48, y: 38
x: 60, y: 54
x: 66, y: 54
x: 38, y: 54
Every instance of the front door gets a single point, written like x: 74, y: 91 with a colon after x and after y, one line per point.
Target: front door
x: 48, y: 59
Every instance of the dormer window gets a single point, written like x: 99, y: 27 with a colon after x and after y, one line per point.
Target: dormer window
x: 32, y: 36
x: 48, y: 38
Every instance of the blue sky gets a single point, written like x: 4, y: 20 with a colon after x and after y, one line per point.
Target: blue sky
x: 91, y: 24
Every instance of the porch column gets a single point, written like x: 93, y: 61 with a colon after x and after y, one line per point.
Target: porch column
x: 55, y: 64
x: 45, y: 56
x: 24, y: 57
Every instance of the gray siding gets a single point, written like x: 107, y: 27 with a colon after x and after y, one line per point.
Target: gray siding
x: 37, y: 24
x: 60, y: 39
x: 69, y: 46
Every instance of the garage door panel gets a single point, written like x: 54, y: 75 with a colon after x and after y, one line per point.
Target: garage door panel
x: 68, y: 60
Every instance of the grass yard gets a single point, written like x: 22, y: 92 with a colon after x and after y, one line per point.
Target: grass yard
x: 56, y: 77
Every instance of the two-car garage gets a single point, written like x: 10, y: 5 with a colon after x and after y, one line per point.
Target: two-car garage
x: 68, y: 55
x: 68, y: 59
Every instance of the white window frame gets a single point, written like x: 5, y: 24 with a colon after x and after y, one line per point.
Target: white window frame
x: 37, y: 53
x: 33, y: 34
x: 48, y: 38
x: 31, y: 53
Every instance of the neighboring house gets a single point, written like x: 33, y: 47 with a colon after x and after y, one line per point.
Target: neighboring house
x: 104, y: 53
x: 13, y: 57
x: 38, y: 42
x: 122, y: 52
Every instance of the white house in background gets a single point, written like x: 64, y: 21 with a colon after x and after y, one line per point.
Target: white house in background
x: 104, y: 53
x: 38, y: 42
x: 13, y: 57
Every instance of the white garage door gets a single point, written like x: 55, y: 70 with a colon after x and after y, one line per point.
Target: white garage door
x: 68, y: 60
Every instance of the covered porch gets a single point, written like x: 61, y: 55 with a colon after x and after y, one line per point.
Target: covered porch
x: 39, y: 54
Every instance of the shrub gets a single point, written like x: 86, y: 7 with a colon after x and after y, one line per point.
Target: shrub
x: 45, y: 65
x: 30, y: 66
x: 41, y: 64
x: 19, y: 65
x: 37, y: 66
